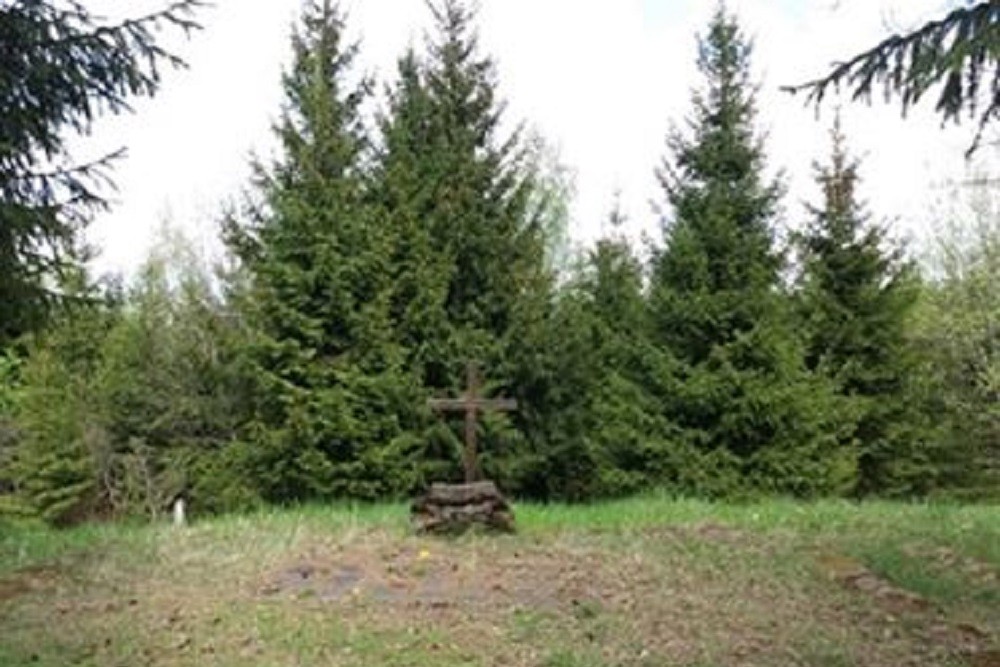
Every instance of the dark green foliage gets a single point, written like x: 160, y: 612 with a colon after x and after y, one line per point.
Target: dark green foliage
x: 858, y: 295
x: 170, y: 386
x: 368, y: 271
x: 55, y: 477
x: 60, y: 435
x: 125, y: 403
x: 957, y: 54
x: 469, y: 273
x: 332, y: 398
x: 472, y: 195
x: 9, y: 389
x: 59, y: 69
x: 743, y: 397
x: 10, y: 383
x: 404, y: 194
x: 720, y: 239
x: 605, y: 434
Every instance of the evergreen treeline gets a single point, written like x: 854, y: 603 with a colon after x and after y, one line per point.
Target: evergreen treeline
x: 382, y: 251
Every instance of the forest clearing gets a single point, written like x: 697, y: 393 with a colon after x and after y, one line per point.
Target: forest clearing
x: 643, y: 582
x: 767, y: 434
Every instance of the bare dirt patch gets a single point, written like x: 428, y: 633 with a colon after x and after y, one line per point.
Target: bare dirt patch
x: 968, y: 641
x: 855, y: 575
x: 438, y: 575
x: 650, y: 599
x: 985, y: 659
x: 28, y: 580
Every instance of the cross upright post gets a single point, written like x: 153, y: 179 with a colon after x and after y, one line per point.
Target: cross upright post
x: 471, y: 403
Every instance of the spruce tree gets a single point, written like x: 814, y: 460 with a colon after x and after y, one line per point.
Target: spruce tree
x: 858, y: 294
x: 406, y: 182
x: 750, y: 412
x: 60, y: 68
x: 605, y: 435
x: 10, y: 382
x: 329, y: 417
x: 469, y: 268
x: 59, y: 420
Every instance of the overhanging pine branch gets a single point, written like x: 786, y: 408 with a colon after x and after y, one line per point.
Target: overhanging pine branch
x: 958, y: 53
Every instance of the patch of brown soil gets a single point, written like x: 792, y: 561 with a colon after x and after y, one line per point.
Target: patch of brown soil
x: 957, y: 639
x: 433, y: 578
x: 613, y: 599
x: 985, y: 659
x: 27, y: 581
x: 961, y: 638
x: 12, y: 588
x: 854, y: 575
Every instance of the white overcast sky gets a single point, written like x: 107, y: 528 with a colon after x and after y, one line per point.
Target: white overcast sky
x: 603, y: 80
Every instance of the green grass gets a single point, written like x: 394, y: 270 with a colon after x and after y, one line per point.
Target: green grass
x: 637, y: 582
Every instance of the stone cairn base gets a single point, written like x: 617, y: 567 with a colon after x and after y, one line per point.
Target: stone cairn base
x: 454, y: 508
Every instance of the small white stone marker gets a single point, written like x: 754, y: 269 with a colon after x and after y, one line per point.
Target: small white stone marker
x: 179, y: 512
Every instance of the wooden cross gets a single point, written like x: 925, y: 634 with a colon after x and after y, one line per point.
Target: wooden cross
x: 471, y: 403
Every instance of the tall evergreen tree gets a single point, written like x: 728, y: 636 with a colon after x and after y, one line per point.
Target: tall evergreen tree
x: 744, y: 400
x: 858, y: 296
x: 469, y: 271
x: 720, y: 242
x: 59, y: 419
x: 331, y: 397
x: 60, y: 68
x: 406, y: 183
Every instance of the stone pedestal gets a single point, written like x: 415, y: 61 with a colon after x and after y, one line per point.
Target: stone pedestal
x: 454, y: 508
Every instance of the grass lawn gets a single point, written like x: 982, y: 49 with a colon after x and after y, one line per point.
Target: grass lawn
x: 643, y: 582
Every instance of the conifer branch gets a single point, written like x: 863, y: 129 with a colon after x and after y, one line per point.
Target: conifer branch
x: 959, y: 53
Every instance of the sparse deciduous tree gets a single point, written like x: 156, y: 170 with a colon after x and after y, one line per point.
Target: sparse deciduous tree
x: 958, y: 330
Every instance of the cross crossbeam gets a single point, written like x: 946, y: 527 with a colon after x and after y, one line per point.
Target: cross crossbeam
x: 479, y: 404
